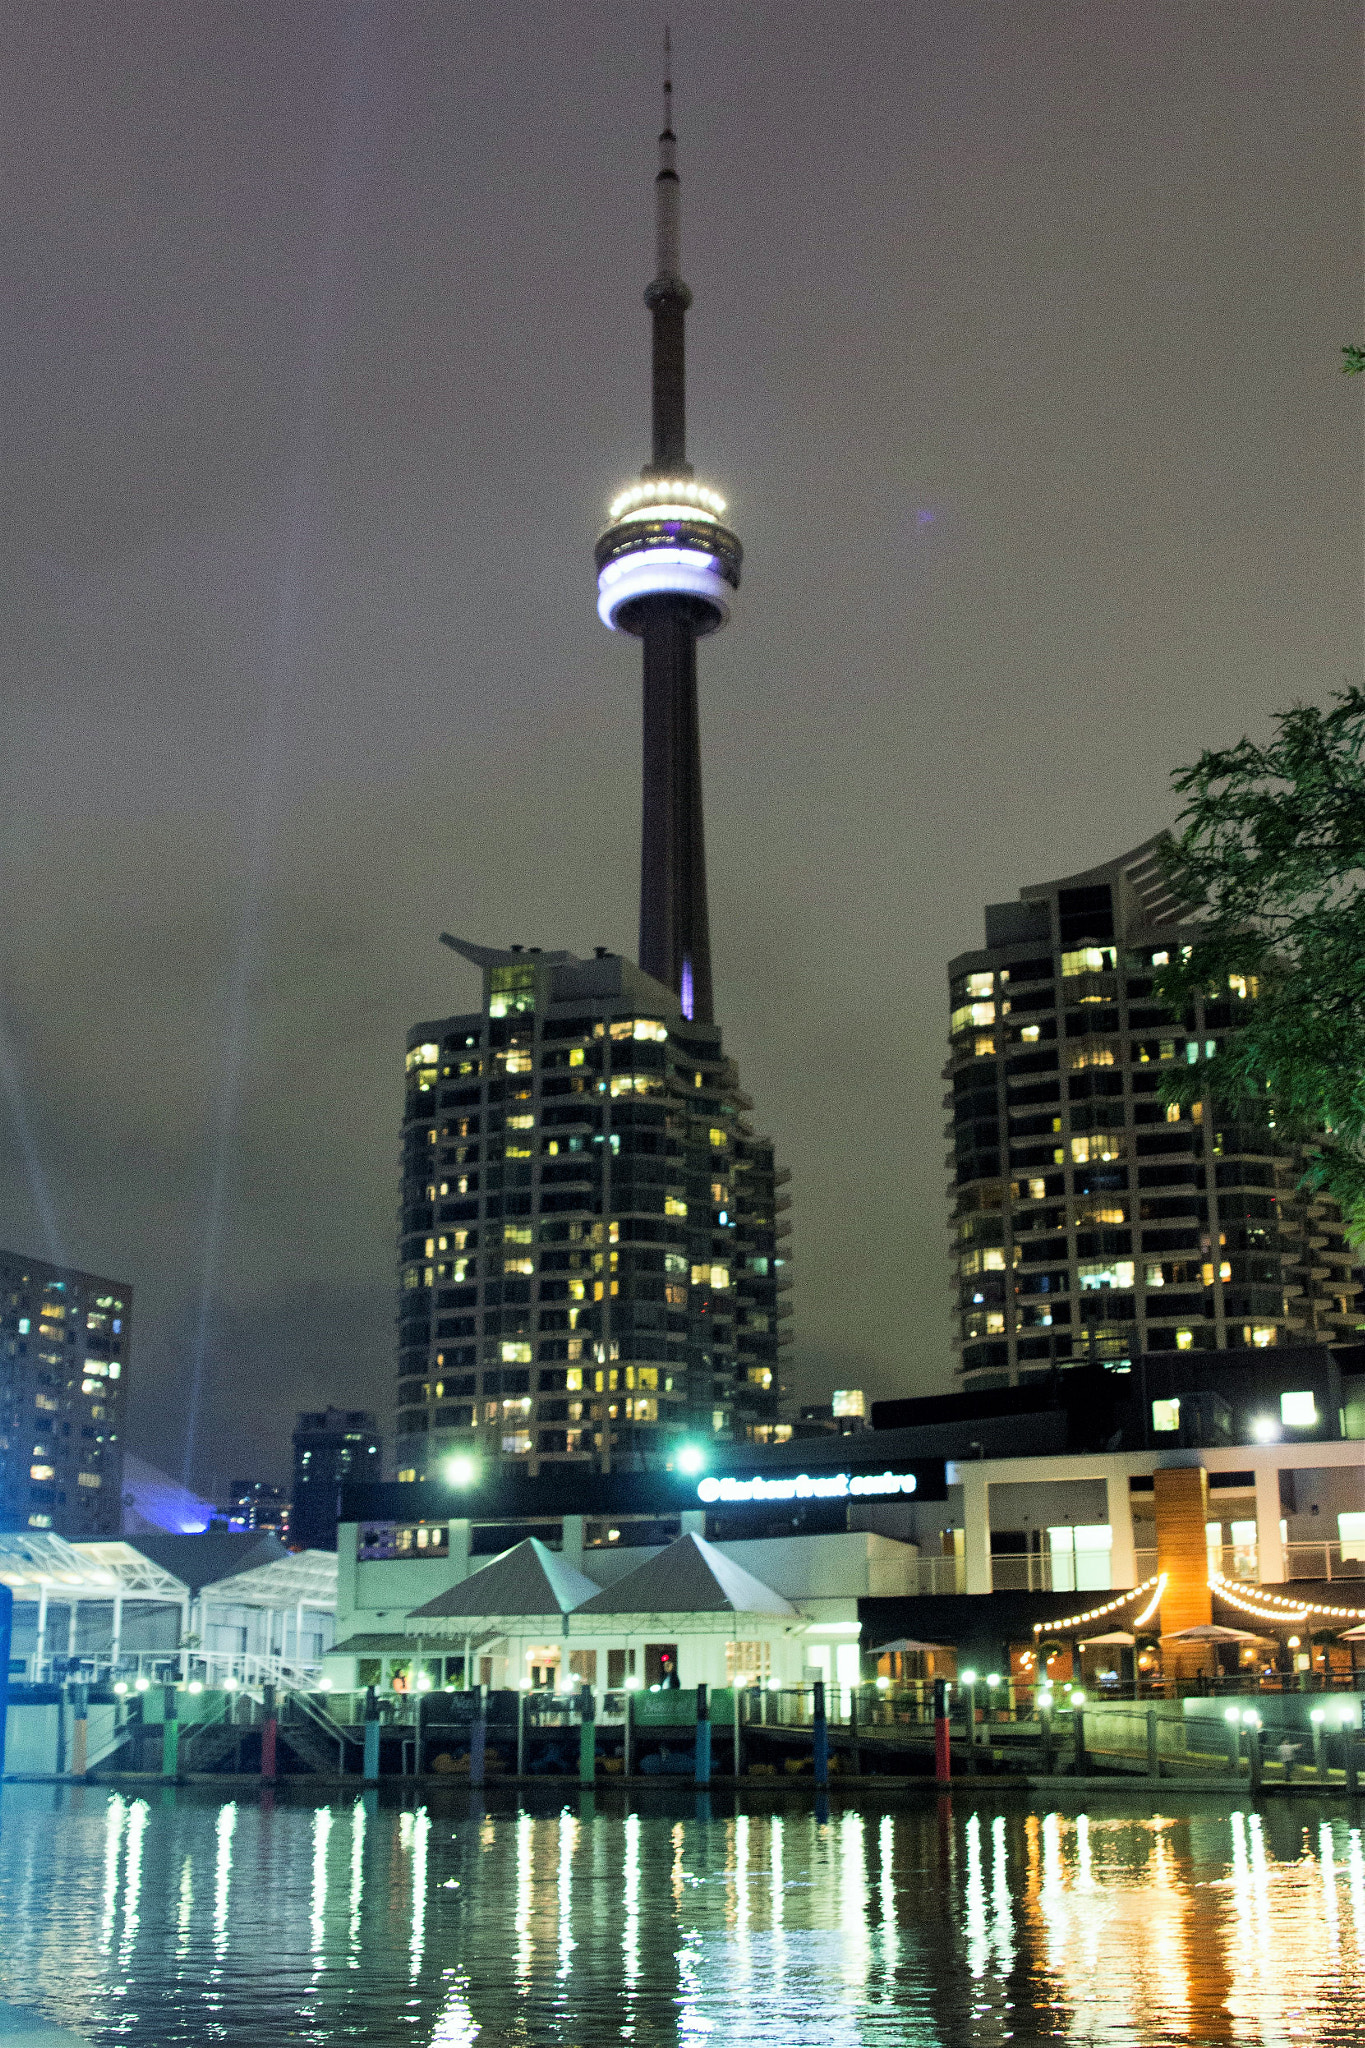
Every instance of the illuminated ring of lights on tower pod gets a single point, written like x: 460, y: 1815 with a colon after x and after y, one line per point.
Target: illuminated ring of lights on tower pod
x: 666, y: 540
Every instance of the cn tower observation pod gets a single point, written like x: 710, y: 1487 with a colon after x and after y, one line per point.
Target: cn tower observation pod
x: 666, y: 540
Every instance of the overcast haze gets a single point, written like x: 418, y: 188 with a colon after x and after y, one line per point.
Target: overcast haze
x: 1014, y: 350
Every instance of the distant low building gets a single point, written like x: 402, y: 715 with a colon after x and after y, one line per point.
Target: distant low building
x: 333, y: 1447
x: 64, y: 1348
x: 256, y: 1504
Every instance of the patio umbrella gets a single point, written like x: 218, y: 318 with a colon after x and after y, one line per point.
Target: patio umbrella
x: 1210, y: 1634
x: 1116, y: 1639
x: 1353, y: 1635
x: 906, y: 1646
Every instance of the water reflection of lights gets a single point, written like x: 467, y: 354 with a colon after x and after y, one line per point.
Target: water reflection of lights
x: 853, y: 1904
x: 886, y: 1843
x: 357, y: 1881
x: 977, y: 1931
x: 1328, y: 1877
x: 132, y: 1879
x: 185, y: 1910
x: 113, y: 1842
x: 421, y: 1832
x: 568, y: 1841
x: 1356, y: 1867
x: 1000, y: 1895
x: 630, y: 1929
x: 322, y: 1828
x: 222, y: 1876
x: 525, y: 1856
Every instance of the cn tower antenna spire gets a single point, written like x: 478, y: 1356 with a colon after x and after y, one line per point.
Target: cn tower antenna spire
x: 667, y: 225
x: 667, y: 569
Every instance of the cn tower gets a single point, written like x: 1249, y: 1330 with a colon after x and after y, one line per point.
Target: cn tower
x: 667, y: 568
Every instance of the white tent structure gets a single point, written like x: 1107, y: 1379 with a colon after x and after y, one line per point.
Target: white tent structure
x: 692, y: 1615
x: 111, y: 1606
x: 509, y: 1618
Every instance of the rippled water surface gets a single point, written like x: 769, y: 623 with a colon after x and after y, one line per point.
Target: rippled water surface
x: 181, y: 1917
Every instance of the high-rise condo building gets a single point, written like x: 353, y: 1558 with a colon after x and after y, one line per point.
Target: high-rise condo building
x: 593, y: 1254
x: 64, y: 1349
x: 1091, y: 1221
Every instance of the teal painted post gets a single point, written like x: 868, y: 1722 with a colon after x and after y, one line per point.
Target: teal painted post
x: 587, y: 1737
x: 628, y: 1735
x: 701, y: 1755
x: 370, y: 1764
x: 170, y: 1735
x: 478, y: 1737
x: 521, y: 1733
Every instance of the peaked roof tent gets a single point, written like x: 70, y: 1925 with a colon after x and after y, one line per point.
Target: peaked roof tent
x: 527, y: 1580
x: 690, y: 1577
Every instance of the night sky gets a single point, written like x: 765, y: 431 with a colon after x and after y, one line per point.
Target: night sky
x: 1014, y: 350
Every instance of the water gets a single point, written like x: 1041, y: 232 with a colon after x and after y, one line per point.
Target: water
x: 180, y: 1917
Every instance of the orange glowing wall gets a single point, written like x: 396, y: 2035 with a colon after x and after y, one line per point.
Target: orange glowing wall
x: 1182, y: 1511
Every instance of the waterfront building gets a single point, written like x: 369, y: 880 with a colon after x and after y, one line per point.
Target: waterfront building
x: 1209, y: 1486
x: 1090, y: 1221
x: 333, y: 1447
x: 180, y: 1606
x: 592, y: 1258
x: 65, y: 1343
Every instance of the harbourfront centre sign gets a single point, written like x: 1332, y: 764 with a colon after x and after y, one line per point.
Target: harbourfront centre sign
x: 827, y: 1486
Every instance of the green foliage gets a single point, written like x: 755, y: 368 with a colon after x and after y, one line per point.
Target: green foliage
x: 1272, y: 845
x: 1353, y: 359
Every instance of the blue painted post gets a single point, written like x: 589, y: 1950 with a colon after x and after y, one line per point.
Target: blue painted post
x: 820, y: 1745
x: 587, y: 1737
x: 478, y: 1736
x: 701, y: 1756
x: 6, y: 1636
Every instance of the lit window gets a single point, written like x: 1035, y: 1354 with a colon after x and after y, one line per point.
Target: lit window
x: 971, y: 1013
x: 1244, y: 986
x: 1166, y: 1415
x: 40, y: 1471
x: 1161, y: 959
x: 518, y: 1265
x: 1088, y: 960
x: 1118, y: 1273
x: 521, y: 1123
x: 1155, y: 1277
x: 717, y: 1137
x: 674, y: 1206
x: 516, y: 1233
x: 1037, y: 1189
x: 1173, y: 1112
x: 1030, y: 1034
x: 1260, y: 1336
x: 1351, y: 1530
x: 980, y: 987
x: 1298, y: 1411
x: 1184, y: 1340
x: 514, y: 1352
x: 1104, y: 1145
x: 577, y: 1056
x: 984, y: 1048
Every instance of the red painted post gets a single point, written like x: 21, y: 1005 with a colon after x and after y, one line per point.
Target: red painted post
x: 943, y: 1765
x: 268, y: 1737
